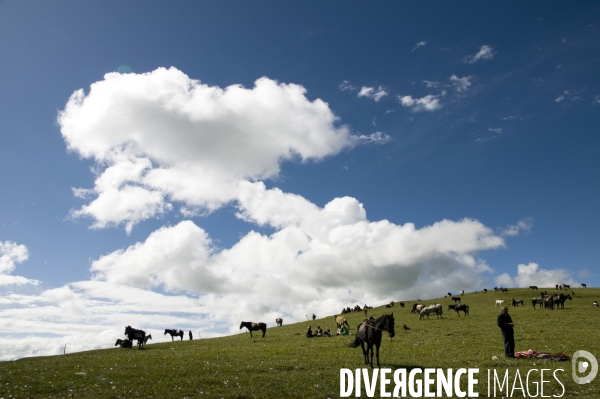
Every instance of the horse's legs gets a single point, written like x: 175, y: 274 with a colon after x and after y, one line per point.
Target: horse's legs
x: 377, y: 348
x: 365, y: 352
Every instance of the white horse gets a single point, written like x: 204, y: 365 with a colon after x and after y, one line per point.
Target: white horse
x: 499, y: 302
x: 436, y: 308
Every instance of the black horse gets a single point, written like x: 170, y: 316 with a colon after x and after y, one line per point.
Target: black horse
x: 133, y: 333
x: 254, y: 327
x: 124, y: 343
x: 174, y: 333
x: 370, y: 332
x: 456, y: 299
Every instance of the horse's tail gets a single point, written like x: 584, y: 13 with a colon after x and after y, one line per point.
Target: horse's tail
x: 355, y: 343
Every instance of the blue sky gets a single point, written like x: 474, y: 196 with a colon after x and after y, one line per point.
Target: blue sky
x: 291, y: 146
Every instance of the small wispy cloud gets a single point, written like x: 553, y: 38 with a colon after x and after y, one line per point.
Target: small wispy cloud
x: 522, y: 226
x: 485, y: 53
x: 346, y: 86
x: 596, y: 100
x: 497, y: 130
x: 430, y: 102
x: 371, y: 92
x: 461, y: 84
x: 374, y: 138
x: 418, y: 45
x: 431, y: 84
x: 509, y: 117
x: 568, y: 96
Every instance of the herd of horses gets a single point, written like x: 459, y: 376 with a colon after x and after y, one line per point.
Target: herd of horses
x: 370, y: 332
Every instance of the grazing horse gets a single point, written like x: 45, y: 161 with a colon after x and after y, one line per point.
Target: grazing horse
x: 254, y: 327
x: 566, y: 287
x: 460, y: 308
x: 340, y: 321
x: 401, y: 304
x: 279, y: 321
x: 499, y: 302
x: 449, y: 294
x: 124, y: 343
x: 456, y: 299
x: 584, y: 285
x: 533, y: 287
x: 370, y: 332
x: 174, y: 333
x: 437, y: 309
x: 417, y: 307
x: 132, y: 334
x: 485, y: 290
x: 516, y: 302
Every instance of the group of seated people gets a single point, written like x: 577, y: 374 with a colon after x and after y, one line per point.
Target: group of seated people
x: 319, y: 332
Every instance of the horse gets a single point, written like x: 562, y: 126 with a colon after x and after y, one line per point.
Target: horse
x: 132, y: 334
x: 417, y: 307
x: 456, y: 299
x: 516, y: 302
x: 340, y: 321
x: 462, y: 292
x: 279, y: 321
x: 566, y: 287
x: 449, y: 294
x: 485, y: 290
x: 437, y: 309
x: 124, y: 343
x: 370, y: 332
x: 174, y: 333
x: 461, y: 307
x: 533, y: 287
x: 147, y: 337
x: 314, y: 316
x: 401, y: 304
x: 499, y: 302
x: 549, y: 302
x: 537, y: 301
x: 254, y: 327
x: 561, y: 301
x: 583, y: 285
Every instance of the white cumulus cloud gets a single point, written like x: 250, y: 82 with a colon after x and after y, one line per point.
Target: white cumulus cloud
x: 161, y: 137
x: 533, y: 274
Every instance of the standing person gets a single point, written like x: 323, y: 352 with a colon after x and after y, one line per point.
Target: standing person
x: 191, y: 337
x: 508, y: 334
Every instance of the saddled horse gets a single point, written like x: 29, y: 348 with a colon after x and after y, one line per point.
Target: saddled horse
x: 133, y: 333
x: 340, y: 321
x: 279, y: 321
x: 124, y: 343
x: 460, y: 308
x: 370, y: 333
x: 174, y: 333
x: 254, y: 327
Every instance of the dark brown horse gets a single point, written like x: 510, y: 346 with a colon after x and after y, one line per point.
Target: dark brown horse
x: 370, y: 332
x: 133, y: 333
x: 124, y: 343
x: 254, y: 327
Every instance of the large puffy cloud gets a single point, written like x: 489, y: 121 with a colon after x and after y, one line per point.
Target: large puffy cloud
x: 533, y: 274
x: 161, y: 136
x: 320, y: 259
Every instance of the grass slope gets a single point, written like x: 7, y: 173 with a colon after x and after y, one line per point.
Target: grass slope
x: 285, y: 363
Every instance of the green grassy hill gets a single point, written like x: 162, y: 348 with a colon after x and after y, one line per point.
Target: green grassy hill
x: 285, y: 363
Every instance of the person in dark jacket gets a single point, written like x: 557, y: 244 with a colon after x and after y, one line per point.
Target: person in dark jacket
x: 309, y: 333
x: 508, y: 334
